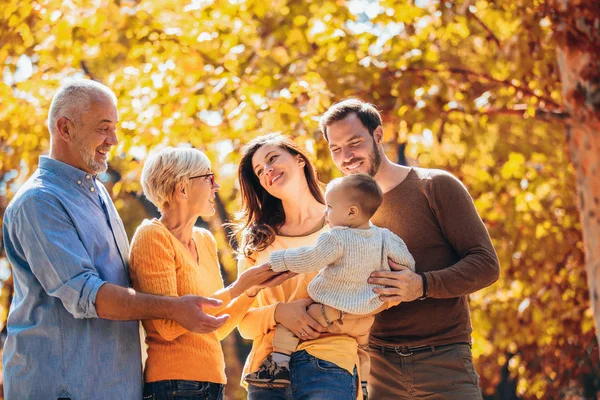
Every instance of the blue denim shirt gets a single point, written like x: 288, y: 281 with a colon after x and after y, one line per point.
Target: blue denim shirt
x: 64, y: 240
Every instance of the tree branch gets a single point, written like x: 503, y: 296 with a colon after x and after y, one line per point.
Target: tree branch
x: 545, y: 115
x: 485, y: 27
x: 402, y: 154
x: 87, y: 71
x: 226, y: 222
x: 466, y: 72
x: 540, y: 115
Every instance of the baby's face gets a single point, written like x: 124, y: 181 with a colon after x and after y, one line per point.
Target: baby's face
x: 337, y: 208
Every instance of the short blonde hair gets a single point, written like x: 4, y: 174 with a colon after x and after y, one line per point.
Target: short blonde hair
x: 166, y: 168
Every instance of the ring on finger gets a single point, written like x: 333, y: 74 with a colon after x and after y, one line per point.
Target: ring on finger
x: 303, y: 333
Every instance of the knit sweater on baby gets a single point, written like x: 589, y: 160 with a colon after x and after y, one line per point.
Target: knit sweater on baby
x: 346, y: 257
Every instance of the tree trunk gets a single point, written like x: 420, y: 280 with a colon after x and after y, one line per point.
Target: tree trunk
x: 577, y: 32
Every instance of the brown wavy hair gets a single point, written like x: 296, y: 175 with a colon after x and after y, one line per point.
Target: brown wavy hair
x: 262, y: 214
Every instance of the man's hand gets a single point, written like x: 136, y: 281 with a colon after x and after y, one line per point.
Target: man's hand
x: 187, y: 311
x: 401, y: 284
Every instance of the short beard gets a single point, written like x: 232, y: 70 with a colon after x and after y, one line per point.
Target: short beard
x: 88, y: 155
x: 374, y: 160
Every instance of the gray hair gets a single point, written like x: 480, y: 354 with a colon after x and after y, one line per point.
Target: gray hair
x: 74, y: 98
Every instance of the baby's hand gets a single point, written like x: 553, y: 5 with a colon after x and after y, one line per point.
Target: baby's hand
x: 267, y: 264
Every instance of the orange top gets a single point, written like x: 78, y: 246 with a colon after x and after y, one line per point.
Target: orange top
x: 259, y: 323
x: 160, y: 264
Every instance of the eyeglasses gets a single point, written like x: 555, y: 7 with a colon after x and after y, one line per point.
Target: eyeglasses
x: 211, y: 178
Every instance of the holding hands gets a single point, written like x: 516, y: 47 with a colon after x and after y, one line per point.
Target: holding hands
x: 188, y: 310
x: 262, y: 277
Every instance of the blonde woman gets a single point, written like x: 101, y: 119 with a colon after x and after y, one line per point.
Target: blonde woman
x: 170, y: 256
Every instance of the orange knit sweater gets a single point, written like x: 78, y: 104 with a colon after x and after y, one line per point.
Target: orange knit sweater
x: 160, y: 264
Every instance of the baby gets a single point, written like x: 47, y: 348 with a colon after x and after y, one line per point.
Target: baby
x: 346, y: 256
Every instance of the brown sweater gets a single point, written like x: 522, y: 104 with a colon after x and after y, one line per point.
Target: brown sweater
x: 435, y: 216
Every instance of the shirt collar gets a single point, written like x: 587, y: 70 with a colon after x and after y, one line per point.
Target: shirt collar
x: 65, y: 171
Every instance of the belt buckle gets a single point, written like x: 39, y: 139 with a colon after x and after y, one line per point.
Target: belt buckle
x: 398, y: 350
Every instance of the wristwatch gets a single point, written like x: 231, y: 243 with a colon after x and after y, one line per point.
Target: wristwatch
x: 424, y: 295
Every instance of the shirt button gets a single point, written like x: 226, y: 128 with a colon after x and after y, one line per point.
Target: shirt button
x: 92, y: 189
x: 88, y: 177
x: 79, y: 182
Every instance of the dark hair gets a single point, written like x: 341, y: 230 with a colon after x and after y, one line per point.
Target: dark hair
x: 362, y: 190
x: 366, y: 112
x: 262, y: 214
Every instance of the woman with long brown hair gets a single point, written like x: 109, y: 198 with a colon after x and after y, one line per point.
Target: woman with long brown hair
x: 282, y: 207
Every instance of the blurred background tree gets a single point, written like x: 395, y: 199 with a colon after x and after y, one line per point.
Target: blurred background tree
x: 577, y: 33
x: 469, y: 86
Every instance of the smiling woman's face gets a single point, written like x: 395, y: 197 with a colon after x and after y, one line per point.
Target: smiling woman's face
x: 278, y: 171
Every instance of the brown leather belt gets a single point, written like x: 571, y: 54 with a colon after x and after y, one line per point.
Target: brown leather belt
x: 406, y: 351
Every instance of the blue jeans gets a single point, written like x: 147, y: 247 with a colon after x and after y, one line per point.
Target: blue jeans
x: 183, y: 390
x: 312, y: 379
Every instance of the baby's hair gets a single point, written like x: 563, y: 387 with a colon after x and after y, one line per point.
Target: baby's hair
x: 362, y: 190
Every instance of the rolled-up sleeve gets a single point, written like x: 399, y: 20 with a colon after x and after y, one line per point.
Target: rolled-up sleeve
x: 50, y: 243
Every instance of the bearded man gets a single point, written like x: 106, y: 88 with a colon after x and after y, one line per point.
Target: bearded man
x: 420, y: 348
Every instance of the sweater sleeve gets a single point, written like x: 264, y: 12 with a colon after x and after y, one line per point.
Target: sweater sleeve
x: 397, y: 250
x: 258, y: 320
x: 152, y: 266
x: 309, y: 258
x: 478, y: 264
x: 223, y: 294
x: 237, y: 307
x: 237, y: 310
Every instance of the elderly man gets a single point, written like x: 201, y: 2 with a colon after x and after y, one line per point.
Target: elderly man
x: 422, y: 347
x: 69, y: 253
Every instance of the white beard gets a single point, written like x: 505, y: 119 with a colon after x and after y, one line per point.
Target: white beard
x: 89, y: 156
